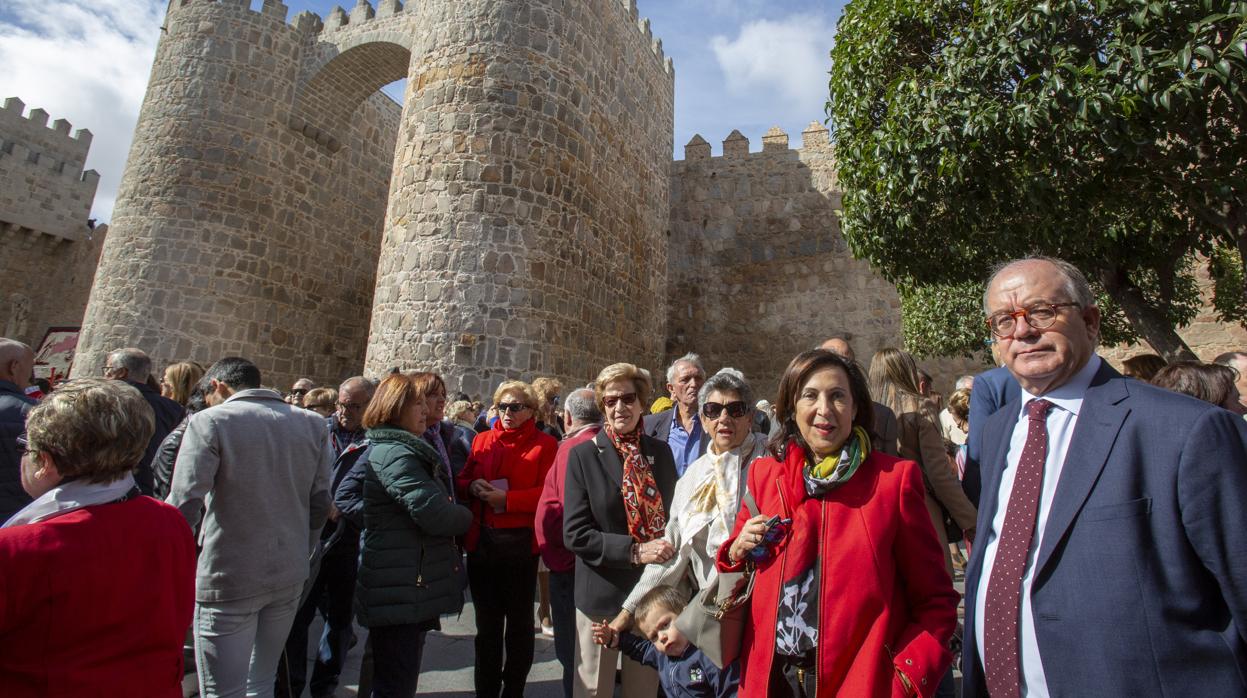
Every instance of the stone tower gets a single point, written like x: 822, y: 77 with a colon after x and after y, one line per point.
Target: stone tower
x: 511, y: 216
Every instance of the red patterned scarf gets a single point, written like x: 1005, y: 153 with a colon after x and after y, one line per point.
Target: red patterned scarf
x: 642, y: 501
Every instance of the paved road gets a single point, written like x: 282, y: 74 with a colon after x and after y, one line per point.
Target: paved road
x: 449, y: 657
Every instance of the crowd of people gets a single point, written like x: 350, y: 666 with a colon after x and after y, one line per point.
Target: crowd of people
x: 1098, y: 520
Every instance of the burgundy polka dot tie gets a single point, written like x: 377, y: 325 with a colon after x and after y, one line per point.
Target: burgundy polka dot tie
x: 1004, y: 590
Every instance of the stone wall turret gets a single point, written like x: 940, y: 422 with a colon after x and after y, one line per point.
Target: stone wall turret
x: 526, y: 227
x: 234, y: 233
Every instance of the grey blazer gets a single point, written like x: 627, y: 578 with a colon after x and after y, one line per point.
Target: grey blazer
x: 595, y: 528
x: 256, y: 472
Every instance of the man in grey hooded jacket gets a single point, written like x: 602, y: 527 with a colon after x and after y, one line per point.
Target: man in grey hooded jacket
x: 253, y: 476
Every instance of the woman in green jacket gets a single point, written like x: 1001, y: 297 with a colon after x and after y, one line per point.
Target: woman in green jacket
x: 411, y: 571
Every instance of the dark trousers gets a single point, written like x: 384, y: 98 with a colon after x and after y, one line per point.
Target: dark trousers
x: 396, y: 654
x: 793, y: 677
x: 563, y: 616
x: 502, y: 593
x: 332, y: 594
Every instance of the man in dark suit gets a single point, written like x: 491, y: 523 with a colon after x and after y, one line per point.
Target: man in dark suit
x: 991, y: 390
x: 1113, y: 523
x: 887, y: 433
x: 679, y: 427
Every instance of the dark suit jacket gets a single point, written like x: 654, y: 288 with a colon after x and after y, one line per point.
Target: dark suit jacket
x: 659, y: 427
x: 595, y: 528
x: 991, y: 390
x: 168, y: 415
x: 1141, y: 582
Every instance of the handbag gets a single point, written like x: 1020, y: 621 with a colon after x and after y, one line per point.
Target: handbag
x: 714, y: 620
x: 506, y: 545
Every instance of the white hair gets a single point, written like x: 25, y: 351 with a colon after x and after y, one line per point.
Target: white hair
x: 689, y: 358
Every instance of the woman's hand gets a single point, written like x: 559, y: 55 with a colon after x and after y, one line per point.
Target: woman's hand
x: 622, y: 622
x: 657, y: 550
x: 479, y: 487
x: 750, y: 536
x: 495, y: 498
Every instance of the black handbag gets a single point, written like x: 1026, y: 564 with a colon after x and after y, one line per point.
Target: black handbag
x: 506, y: 545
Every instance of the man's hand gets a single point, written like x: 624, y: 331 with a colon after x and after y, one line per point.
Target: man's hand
x: 658, y: 550
x: 334, y: 514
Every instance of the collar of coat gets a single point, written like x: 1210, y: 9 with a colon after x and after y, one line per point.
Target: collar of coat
x: 384, y: 433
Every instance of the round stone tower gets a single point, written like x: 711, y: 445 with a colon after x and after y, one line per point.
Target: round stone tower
x: 524, y: 210
x: 527, y: 220
x: 234, y: 233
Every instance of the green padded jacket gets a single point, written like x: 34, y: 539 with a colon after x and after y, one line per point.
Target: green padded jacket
x: 410, y: 568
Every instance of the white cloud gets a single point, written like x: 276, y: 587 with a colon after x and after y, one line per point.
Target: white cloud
x: 86, y: 61
x: 785, y: 60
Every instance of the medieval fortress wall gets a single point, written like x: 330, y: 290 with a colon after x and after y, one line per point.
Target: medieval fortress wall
x: 509, y: 218
x: 518, y: 215
x: 49, y: 254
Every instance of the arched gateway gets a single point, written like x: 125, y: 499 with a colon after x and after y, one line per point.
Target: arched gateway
x: 509, y: 219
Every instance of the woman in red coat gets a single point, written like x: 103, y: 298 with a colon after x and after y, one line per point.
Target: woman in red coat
x: 502, y: 480
x: 97, y: 582
x: 853, y: 598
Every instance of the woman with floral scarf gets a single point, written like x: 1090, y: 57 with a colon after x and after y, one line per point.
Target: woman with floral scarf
x: 708, y: 496
x: 852, y: 600
x: 616, y: 501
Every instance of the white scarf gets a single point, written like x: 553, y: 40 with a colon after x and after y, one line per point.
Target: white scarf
x: 717, y: 479
x: 71, y: 496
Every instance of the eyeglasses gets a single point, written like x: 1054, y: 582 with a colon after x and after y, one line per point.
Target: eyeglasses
x: 1039, y: 316
x: 23, y: 444
x: 322, y: 406
x: 350, y: 406
x: 735, y: 410
x: 299, y: 391
x: 626, y: 398
x: 511, y: 407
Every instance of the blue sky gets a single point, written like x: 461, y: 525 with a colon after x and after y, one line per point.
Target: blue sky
x: 740, y: 64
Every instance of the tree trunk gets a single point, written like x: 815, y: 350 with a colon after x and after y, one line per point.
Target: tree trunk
x: 1148, y: 321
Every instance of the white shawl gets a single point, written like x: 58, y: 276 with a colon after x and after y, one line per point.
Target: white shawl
x: 703, y: 512
x: 70, y: 496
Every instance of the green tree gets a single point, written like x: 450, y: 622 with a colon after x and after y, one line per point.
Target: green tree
x: 1105, y: 132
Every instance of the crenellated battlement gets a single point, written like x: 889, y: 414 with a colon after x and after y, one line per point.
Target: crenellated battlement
x: 42, y: 183
x: 815, y: 137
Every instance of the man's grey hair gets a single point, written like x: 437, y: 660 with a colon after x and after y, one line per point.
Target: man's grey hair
x: 582, y: 405
x: 136, y: 362
x: 1229, y: 357
x: 12, y: 350
x: 965, y: 382
x: 727, y: 380
x: 1074, y: 281
x: 359, y: 382
x: 689, y: 358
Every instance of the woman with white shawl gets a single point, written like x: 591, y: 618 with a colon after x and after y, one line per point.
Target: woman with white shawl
x: 708, y: 495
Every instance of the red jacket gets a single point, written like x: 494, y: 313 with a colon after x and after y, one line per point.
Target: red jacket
x: 886, y: 603
x: 96, y: 602
x: 522, y: 456
x: 549, y: 528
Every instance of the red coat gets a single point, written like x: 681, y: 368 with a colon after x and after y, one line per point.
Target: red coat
x: 96, y: 602
x: 886, y: 602
x: 522, y: 456
x: 549, y: 528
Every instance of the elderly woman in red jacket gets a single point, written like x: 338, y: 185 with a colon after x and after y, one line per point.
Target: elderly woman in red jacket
x: 851, y: 598
x: 503, y: 479
x: 97, y: 583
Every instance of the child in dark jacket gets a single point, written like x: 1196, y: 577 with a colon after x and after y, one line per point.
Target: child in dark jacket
x: 683, y: 670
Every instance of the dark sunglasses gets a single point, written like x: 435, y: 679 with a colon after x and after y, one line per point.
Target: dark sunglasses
x: 511, y: 407
x: 735, y: 410
x: 298, y: 391
x: 626, y: 398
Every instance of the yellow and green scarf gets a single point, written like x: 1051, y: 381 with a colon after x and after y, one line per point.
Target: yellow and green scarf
x: 833, y: 471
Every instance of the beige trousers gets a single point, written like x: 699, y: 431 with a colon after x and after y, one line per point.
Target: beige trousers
x: 595, y: 668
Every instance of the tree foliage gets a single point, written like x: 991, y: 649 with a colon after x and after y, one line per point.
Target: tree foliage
x: 1105, y: 132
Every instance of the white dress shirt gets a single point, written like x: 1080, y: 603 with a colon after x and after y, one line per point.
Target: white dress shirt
x: 1062, y: 417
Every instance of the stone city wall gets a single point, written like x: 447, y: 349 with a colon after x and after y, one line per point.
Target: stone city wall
x: 236, y: 233
x: 50, y: 253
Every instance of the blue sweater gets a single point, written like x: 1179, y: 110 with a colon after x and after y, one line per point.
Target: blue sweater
x: 692, y: 675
